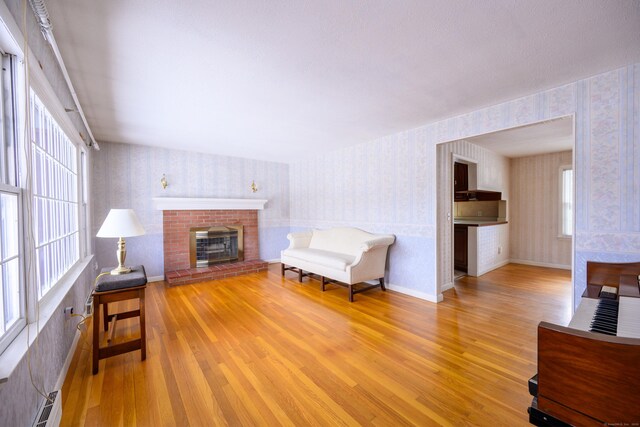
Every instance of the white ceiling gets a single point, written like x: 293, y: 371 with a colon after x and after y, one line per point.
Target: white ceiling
x: 283, y: 80
x: 547, y: 137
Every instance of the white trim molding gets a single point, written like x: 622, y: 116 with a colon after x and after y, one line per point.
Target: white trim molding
x: 194, y: 204
x: 416, y: 294
x: 446, y: 287
x: 540, y: 264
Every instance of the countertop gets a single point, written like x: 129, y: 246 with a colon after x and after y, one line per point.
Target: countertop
x: 478, y: 223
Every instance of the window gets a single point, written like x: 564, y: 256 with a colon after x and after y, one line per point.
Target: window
x: 12, y: 315
x: 8, y: 138
x: 84, y: 211
x: 10, y: 261
x: 55, y: 198
x: 566, y: 201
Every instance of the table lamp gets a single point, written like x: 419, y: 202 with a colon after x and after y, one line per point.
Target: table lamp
x: 121, y: 223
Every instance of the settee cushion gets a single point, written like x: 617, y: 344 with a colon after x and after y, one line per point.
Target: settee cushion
x: 322, y: 257
x: 345, y: 240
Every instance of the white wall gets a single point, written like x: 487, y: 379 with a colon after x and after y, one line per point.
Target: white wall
x: 535, y: 210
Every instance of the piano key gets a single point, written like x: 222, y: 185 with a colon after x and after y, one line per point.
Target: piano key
x: 629, y: 317
x: 584, y: 314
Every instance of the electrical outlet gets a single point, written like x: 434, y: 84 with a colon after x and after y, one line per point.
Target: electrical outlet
x: 479, y: 213
x: 499, y: 250
x: 88, y: 306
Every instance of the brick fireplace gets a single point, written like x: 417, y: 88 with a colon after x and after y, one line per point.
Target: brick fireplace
x: 176, y: 228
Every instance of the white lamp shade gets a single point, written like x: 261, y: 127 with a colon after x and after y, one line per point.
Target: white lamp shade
x: 121, y: 223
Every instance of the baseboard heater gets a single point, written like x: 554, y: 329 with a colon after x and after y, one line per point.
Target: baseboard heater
x: 88, y: 306
x: 51, y: 411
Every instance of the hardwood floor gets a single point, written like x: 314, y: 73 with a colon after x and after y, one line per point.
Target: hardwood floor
x: 262, y: 350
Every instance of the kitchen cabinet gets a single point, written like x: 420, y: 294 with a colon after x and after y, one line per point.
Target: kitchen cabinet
x: 483, y: 196
x: 477, y: 195
x: 460, y: 247
x: 460, y: 180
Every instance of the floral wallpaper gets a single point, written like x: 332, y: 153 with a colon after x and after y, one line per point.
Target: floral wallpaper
x: 389, y: 185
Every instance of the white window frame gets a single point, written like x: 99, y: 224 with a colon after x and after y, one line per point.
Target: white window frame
x: 83, y: 202
x: 562, y: 200
x: 9, y: 181
x: 8, y: 336
x: 43, y: 294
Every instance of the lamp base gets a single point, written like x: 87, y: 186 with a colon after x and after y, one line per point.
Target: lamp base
x: 120, y: 270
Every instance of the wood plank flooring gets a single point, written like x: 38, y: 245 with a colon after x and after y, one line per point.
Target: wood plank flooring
x: 263, y: 350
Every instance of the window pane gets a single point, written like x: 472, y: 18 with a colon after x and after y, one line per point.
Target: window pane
x: 2, y: 328
x: 9, y: 261
x: 9, y: 225
x: 11, y: 284
x: 56, y: 201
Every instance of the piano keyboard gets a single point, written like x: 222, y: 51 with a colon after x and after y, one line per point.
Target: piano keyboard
x: 611, y: 317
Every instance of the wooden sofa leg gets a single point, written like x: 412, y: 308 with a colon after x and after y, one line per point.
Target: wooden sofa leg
x: 300, y: 275
x: 350, y: 293
x: 282, y: 268
x: 322, y: 282
x: 382, y: 284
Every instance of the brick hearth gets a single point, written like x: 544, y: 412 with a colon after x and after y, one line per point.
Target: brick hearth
x: 176, y: 226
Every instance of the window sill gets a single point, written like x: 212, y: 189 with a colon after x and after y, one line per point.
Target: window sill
x: 14, y: 353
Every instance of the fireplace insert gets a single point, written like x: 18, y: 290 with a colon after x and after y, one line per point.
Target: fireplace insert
x: 215, y: 245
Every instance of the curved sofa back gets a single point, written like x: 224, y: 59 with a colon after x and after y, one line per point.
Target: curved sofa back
x: 345, y: 240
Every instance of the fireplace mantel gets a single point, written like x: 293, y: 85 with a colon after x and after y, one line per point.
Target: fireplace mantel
x: 193, y: 204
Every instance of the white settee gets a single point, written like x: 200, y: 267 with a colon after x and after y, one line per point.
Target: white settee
x: 345, y: 255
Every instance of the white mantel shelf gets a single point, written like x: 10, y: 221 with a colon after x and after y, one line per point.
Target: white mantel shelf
x: 200, y: 204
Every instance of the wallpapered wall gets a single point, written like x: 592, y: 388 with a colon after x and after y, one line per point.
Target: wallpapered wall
x: 380, y: 187
x: 128, y: 176
x: 535, y: 210
x: 390, y: 184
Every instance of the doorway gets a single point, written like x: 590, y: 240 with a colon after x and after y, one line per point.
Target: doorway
x: 525, y: 165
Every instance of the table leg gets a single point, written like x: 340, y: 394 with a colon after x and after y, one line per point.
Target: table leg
x: 96, y: 333
x: 143, y: 327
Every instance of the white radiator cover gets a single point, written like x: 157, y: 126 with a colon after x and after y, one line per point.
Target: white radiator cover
x: 50, y: 412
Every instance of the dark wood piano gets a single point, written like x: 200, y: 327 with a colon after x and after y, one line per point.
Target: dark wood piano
x: 589, y: 372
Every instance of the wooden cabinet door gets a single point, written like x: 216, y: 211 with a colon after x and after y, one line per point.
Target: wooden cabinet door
x: 460, y: 180
x: 460, y: 177
x: 460, y: 238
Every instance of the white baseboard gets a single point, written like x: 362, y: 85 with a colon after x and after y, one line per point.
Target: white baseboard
x: 155, y: 278
x: 494, y: 266
x: 67, y: 361
x: 414, y: 293
x: 540, y: 264
x: 273, y: 261
x: 446, y: 286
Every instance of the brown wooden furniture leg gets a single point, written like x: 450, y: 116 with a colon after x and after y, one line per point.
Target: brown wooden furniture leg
x: 96, y: 332
x: 322, y: 282
x: 105, y: 310
x: 382, y: 284
x: 112, y: 332
x: 143, y: 327
x: 282, y: 268
x: 350, y: 293
x: 300, y: 275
